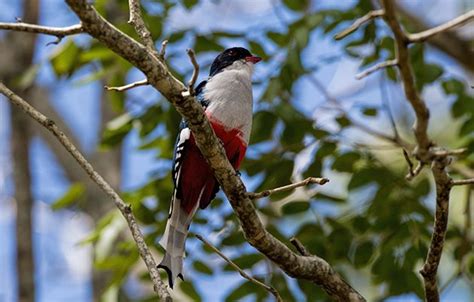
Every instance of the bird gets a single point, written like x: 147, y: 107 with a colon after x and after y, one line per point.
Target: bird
x: 227, y: 99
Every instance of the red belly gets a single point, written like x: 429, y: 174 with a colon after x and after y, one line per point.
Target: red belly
x: 196, y: 176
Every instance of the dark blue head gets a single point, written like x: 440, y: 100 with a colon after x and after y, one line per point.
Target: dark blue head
x: 229, y: 56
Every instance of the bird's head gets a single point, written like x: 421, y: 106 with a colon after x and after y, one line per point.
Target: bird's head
x: 230, y: 56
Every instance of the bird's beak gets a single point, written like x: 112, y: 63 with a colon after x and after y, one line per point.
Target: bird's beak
x: 253, y: 59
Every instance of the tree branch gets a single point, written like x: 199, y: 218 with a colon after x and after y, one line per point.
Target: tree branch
x: 307, y: 181
x: 458, y: 21
x: 424, y: 153
x: 137, y: 21
x: 310, y: 268
x: 359, y: 22
x: 447, y: 41
x: 460, y: 182
x: 59, y: 32
x: 128, y: 86
x: 270, y: 289
x: 192, y: 81
x: 382, y: 65
x: 159, y: 286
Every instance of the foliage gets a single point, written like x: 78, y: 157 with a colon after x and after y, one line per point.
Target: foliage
x: 378, y: 223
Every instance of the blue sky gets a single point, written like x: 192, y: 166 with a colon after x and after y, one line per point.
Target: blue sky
x: 63, y: 268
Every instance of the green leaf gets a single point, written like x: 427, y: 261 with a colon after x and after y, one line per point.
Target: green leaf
x: 240, y: 292
x: 189, y: 3
x: 116, y: 130
x: 190, y: 291
x: 452, y: 86
x: 363, y: 253
x: 74, y: 193
x: 244, y: 262
x: 278, y: 38
x: 370, y: 111
x: 257, y: 49
x: 343, y: 121
x: 345, y: 162
x: 66, y: 59
x: 202, y: 267
x: 263, y: 125
x: 295, y: 207
x: 298, y: 5
x: 204, y: 44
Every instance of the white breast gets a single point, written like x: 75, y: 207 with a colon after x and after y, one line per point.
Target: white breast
x: 230, y: 97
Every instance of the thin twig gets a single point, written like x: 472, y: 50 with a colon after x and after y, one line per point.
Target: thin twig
x: 299, y: 247
x: 137, y: 21
x: 59, y: 32
x: 241, y: 271
x: 424, y: 35
x: 412, y: 172
x: 125, y: 209
x: 128, y: 86
x: 382, y: 65
x: 307, y: 181
x: 460, y: 182
x: 192, y: 57
x: 359, y: 22
x: 163, y: 49
x: 444, y: 153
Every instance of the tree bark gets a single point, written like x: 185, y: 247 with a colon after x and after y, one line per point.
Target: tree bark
x: 21, y: 48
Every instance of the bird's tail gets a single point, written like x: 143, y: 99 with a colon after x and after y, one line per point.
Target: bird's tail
x: 174, y: 239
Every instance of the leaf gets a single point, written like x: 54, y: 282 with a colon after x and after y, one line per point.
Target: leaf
x: 296, y: 5
x: 204, y: 44
x: 278, y: 38
x: 295, y: 207
x: 343, y: 121
x: 116, y: 130
x: 66, y: 60
x: 190, y: 291
x: 363, y: 253
x: 370, y: 111
x: 74, y: 192
x: 189, y: 3
x: 263, y: 124
x: 257, y: 49
x: 345, y: 162
x: 202, y: 267
x: 244, y: 261
x: 243, y: 290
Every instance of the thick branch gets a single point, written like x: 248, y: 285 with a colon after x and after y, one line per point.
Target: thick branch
x: 430, y: 267
x: 311, y: 268
x: 458, y: 21
x: 307, y: 181
x: 126, y: 211
x: 241, y: 271
x: 359, y: 22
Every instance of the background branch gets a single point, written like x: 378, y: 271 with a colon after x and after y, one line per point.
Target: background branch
x: 159, y: 286
x: 270, y: 289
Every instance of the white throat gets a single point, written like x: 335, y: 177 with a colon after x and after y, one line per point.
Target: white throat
x: 230, y: 97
